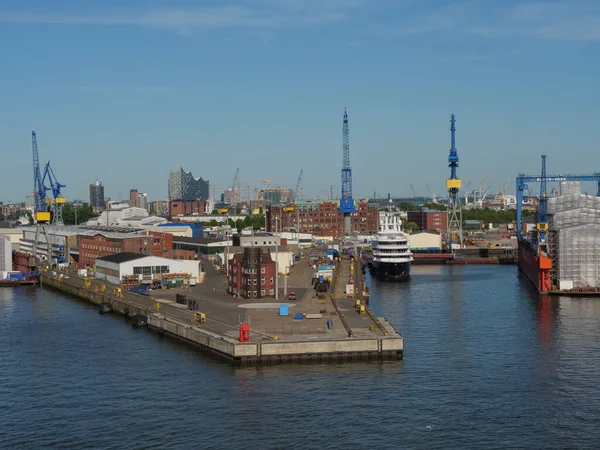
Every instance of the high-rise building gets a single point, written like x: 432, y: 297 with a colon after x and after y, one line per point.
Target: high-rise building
x: 184, y: 187
x: 141, y: 200
x: 97, y: 196
x: 133, y: 197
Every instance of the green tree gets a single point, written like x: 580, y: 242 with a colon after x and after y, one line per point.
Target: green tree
x: 76, y: 215
x: 411, y: 227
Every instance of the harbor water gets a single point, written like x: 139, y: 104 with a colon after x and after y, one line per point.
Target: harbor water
x: 487, y: 364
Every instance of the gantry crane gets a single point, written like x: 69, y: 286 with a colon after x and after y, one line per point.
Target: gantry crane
x: 454, y: 231
x: 346, y: 202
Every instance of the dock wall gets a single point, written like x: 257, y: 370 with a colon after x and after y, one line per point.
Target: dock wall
x: 227, y: 347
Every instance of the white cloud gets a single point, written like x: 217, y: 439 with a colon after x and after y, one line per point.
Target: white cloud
x: 186, y: 19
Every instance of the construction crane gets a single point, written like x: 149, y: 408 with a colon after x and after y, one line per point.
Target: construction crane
x: 346, y: 202
x: 432, y: 194
x: 58, y: 200
x: 233, y: 199
x: 453, y: 184
x: 467, y: 192
x: 413, y: 191
x: 298, y: 184
x: 41, y: 213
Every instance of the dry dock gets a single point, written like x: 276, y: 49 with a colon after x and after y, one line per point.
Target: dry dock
x: 331, y: 327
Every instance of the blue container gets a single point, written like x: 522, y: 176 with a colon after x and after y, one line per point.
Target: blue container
x: 283, y: 310
x: 298, y: 316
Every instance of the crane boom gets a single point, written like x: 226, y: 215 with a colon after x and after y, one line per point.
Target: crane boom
x: 39, y: 189
x: 298, y: 184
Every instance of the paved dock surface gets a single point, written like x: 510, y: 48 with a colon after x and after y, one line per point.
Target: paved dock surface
x: 224, y: 313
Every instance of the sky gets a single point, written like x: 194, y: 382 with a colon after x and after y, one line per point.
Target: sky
x: 125, y: 90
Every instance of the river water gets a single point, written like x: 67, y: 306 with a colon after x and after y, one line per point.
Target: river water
x: 487, y: 365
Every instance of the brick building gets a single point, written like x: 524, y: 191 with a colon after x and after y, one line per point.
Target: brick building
x: 186, y: 208
x: 252, y: 274
x: 149, y: 243
x: 429, y: 219
x: 322, y: 218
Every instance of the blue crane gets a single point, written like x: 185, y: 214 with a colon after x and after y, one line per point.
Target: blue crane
x: 41, y: 213
x: 453, y: 184
x: 55, y: 186
x: 523, y: 179
x: 346, y: 202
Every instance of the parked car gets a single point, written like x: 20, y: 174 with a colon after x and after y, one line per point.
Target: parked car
x: 292, y: 296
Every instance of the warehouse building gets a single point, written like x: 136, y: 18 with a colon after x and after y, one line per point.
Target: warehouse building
x: 425, y: 241
x: 322, y: 218
x: 126, y: 267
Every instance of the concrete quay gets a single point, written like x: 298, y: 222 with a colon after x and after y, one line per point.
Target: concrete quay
x: 337, y: 331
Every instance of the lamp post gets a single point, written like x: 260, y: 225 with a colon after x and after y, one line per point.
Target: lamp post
x: 276, y: 258
x: 227, y: 253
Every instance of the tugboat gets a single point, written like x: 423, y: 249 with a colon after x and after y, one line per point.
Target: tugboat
x: 391, y: 250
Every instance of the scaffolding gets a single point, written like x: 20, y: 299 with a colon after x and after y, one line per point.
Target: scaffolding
x: 574, y: 243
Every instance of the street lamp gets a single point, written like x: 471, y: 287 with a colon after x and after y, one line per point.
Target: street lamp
x: 227, y: 252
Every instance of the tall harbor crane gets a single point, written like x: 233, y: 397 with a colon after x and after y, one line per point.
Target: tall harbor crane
x: 41, y: 214
x: 454, y: 232
x: 346, y: 202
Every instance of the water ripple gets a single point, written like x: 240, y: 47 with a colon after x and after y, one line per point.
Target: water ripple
x: 488, y: 365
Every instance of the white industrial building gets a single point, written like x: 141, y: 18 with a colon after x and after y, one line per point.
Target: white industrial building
x: 61, y: 237
x: 114, y: 268
x: 14, y: 235
x: 425, y: 241
x: 5, y: 254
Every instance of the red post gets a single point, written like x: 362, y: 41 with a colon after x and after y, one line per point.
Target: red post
x: 244, y: 332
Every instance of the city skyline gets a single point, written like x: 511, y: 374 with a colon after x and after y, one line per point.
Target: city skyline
x: 127, y: 93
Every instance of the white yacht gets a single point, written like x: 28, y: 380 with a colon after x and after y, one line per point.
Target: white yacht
x: 391, y: 250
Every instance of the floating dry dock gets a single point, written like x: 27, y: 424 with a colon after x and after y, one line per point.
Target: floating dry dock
x: 332, y: 328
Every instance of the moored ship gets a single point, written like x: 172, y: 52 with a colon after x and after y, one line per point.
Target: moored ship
x: 391, y: 250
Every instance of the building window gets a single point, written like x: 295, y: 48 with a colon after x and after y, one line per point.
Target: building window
x: 255, y: 282
x: 271, y: 291
x: 262, y: 270
x: 147, y: 270
x: 271, y: 280
x: 262, y: 292
x: 262, y: 280
x: 137, y: 270
x: 255, y: 293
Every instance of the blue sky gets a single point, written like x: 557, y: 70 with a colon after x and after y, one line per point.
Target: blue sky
x: 126, y: 90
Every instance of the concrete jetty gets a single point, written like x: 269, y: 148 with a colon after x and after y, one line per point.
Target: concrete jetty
x: 325, y: 327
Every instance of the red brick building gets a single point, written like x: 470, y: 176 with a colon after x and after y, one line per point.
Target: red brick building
x: 252, y: 274
x: 429, y: 219
x: 181, y: 208
x: 149, y: 243
x: 323, y: 218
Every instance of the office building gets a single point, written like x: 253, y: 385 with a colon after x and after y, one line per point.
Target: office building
x: 97, y: 196
x: 184, y: 187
